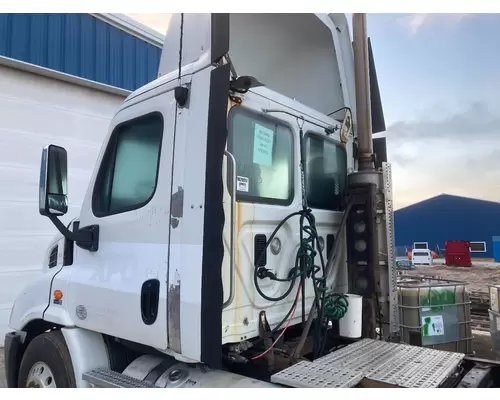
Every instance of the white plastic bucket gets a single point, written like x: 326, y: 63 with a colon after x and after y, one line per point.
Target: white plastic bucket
x: 350, y: 323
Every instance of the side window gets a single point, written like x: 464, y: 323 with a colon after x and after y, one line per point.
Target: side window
x: 129, y: 170
x: 263, y: 150
x: 326, y: 172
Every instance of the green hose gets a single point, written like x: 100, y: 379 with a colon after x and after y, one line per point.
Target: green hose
x: 336, y: 306
x: 328, y: 306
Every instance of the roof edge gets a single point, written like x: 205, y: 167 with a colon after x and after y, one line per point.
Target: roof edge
x: 450, y: 196
x: 132, y: 27
x: 62, y: 76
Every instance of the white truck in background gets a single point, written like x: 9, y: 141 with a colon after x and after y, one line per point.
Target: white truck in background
x: 233, y: 206
x: 421, y: 257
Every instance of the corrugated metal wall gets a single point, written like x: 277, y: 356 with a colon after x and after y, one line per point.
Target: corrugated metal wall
x: 448, y: 217
x: 80, y: 45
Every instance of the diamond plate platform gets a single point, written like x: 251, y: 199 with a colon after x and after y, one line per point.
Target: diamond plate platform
x: 390, y: 363
x: 310, y: 375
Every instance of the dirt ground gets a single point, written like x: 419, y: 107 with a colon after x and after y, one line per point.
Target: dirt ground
x: 478, y: 277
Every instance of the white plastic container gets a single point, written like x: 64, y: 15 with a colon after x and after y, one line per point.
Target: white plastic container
x: 350, y: 323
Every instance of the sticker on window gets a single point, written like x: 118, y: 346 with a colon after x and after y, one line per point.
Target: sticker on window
x: 242, y: 184
x: 263, y: 141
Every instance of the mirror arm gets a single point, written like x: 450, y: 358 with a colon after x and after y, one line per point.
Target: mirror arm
x: 71, y: 236
x: 86, y: 238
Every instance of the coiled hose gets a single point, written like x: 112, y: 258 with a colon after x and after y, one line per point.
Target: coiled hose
x: 336, y: 306
x: 331, y: 306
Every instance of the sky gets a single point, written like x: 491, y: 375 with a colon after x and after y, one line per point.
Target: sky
x: 439, y: 78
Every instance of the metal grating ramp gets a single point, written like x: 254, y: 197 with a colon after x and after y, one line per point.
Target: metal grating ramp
x: 426, y: 369
x: 391, y: 363
x: 306, y: 374
x: 106, y: 378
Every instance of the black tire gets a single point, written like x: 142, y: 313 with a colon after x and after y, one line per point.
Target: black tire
x: 51, y: 349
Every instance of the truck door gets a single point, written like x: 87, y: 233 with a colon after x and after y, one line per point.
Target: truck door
x: 261, y: 185
x: 120, y: 290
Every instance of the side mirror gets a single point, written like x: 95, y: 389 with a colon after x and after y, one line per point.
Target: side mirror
x: 53, y: 199
x: 346, y: 128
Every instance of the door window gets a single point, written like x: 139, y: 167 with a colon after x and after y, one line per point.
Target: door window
x: 129, y: 170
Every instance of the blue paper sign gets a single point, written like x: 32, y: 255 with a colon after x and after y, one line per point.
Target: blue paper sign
x: 263, y: 145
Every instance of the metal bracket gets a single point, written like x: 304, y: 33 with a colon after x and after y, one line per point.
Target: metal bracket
x: 391, y: 252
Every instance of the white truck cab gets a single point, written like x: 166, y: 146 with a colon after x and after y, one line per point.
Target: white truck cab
x: 212, y: 215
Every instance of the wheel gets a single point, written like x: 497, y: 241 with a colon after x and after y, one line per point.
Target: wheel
x: 46, y: 363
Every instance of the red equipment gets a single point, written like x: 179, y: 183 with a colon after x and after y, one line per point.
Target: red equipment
x: 457, y: 253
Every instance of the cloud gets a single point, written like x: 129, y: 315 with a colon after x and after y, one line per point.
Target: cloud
x: 455, y: 154
x: 476, y: 121
x: 414, y: 22
x: 405, y: 154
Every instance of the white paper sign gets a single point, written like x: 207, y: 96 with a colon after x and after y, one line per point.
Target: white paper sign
x: 263, y: 141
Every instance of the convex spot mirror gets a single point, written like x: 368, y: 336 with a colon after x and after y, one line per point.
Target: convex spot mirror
x: 53, y: 181
x: 346, y: 128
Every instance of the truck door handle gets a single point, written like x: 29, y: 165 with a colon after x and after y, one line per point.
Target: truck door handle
x: 150, y: 297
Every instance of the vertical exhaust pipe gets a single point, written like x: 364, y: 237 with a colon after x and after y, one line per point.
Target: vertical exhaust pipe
x: 363, y: 100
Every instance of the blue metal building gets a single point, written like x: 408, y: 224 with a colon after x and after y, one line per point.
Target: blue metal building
x: 105, y: 48
x: 62, y: 79
x: 446, y: 217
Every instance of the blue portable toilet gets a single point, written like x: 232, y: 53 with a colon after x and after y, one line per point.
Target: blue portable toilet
x: 496, y: 248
